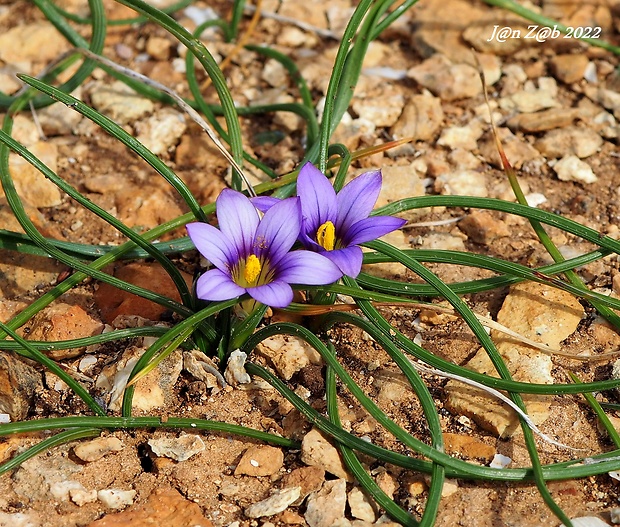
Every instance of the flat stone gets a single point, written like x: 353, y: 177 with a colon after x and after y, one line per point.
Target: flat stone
x: 18, y: 384
x: 543, y: 120
x: 63, y: 322
x: 278, y: 502
x: 178, y: 448
x: 116, y: 498
x: 609, y: 99
x: 319, y: 452
x: 145, y: 211
x: 420, y: 119
x: 326, y: 506
x: 39, y: 41
x: 162, y: 131
x: 362, y: 508
x: 571, y: 168
x: 383, y: 110
x: 443, y: 240
x: 462, y: 183
x: 479, y: 36
x: 288, y: 354
x: 445, y: 79
x: 119, y: 102
x: 158, y: 47
x: 164, y: 506
x: 260, y: 460
x: 95, y: 449
x: 309, y: 479
x: 569, y: 67
x: 532, y: 98
x: 31, y: 185
x: 387, y: 483
x: 57, y: 119
x: 535, y: 311
x: 152, y: 391
x: 571, y: 140
x: 113, y: 302
x: 469, y: 447
x: 482, y: 227
x: 465, y: 137
x: 400, y: 181
x: 516, y: 149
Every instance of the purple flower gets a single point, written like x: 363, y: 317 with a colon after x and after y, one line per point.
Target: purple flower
x: 335, y: 224
x: 254, y: 255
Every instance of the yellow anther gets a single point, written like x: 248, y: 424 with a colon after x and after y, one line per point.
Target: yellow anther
x: 326, y: 236
x: 252, y: 269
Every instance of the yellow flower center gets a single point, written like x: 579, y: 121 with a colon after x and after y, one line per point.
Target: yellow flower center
x: 326, y: 236
x: 252, y: 269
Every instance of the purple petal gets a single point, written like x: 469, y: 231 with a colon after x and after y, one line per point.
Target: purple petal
x: 371, y: 229
x: 275, y: 294
x: 237, y: 219
x: 213, y: 245
x: 278, y: 230
x: 356, y: 200
x: 216, y: 285
x: 307, y: 268
x: 349, y: 260
x: 264, y: 203
x: 318, y: 198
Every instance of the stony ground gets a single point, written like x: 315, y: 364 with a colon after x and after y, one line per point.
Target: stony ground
x: 556, y: 105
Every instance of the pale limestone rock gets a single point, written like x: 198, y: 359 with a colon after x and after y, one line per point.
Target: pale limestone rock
x: 201, y: 367
x: 81, y: 496
x: 116, y: 498
x: 361, y: 506
x: 443, y: 240
x: 421, y: 118
x: 383, y: 110
x: 318, y: 452
x: 260, y: 460
x: 609, y: 99
x: 288, y: 354
x: 162, y: 131
x: 39, y: 41
x: 571, y: 140
x: 274, y: 504
x: 151, y: 391
x: 465, y: 137
x: 531, y: 98
x: 447, y: 80
x: 19, y: 519
x: 97, y: 448
x: 119, y: 102
x: 178, y: 448
x: 275, y: 74
x: 571, y: 168
x: 235, y: 373
x: 479, y: 36
x: 57, y: 119
x: 400, y: 181
x: 517, y: 150
x: 326, y: 506
x: 535, y: 311
x: 462, y: 183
